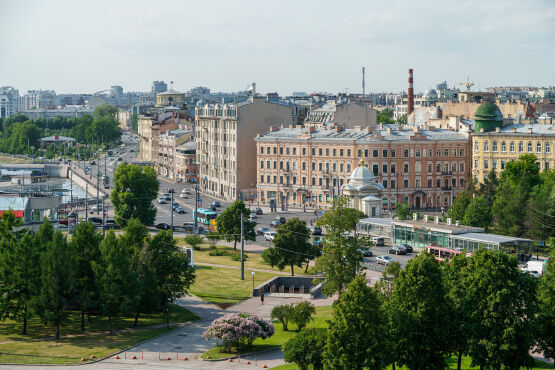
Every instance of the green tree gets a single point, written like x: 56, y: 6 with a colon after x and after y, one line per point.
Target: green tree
x: 385, y: 116
x: 213, y: 239
x: 85, y: 243
x: 135, y: 188
x: 488, y: 188
x: 500, y: 302
x: 283, y: 313
x: 229, y: 223
x: 546, y: 300
x: 541, y: 211
x: 356, y: 330
x: 419, y: 314
x: 402, y: 119
x: 510, y: 209
x: 173, y: 274
x: 303, y: 313
x: 460, y: 204
x: 193, y: 240
x: 105, y: 111
x: 402, y: 211
x: 478, y: 213
x: 291, y: 246
x: 114, y: 274
x: 57, y: 265
x: 339, y: 217
x: 305, y: 348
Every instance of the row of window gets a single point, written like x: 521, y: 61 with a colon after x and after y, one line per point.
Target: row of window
x: 502, y: 163
x: 529, y: 147
x: 385, y: 153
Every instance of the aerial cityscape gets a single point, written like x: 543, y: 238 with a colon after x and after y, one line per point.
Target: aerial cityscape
x: 309, y: 185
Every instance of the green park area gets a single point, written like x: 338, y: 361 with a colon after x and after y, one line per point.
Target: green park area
x: 38, y: 346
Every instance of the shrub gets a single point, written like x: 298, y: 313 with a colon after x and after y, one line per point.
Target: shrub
x: 306, y: 348
x: 283, y: 313
x: 237, y: 256
x: 239, y: 330
x: 219, y: 252
x: 213, y: 239
x: 194, y: 241
x: 302, y: 314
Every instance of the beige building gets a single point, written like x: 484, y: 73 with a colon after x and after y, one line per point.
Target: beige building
x: 167, y: 151
x: 347, y: 114
x: 157, y: 122
x: 186, y: 162
x: 170, y: 98
x: 492, y: 150
x: 300, y: 166
x: 226, y: 151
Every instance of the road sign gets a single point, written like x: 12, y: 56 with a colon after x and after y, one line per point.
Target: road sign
x: 320, y: 213
x: 200, y: 200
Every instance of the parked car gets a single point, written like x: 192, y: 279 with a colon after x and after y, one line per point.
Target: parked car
x: 315, y: 230
x: 213, y: 208
x: 281, y: 219
x: 269, y: 235
x: 119, y: 159
x: 262, y: 230
x: 132, y: 150
x: 180, y: 210
x: 163, y: 226
x: 96, y: 220
x: 175, y: 205
x: 185, y: 191
x: 93, y: 163
x: 407, y: 247
x: 253, y: 216
x: 167, y: 196
x: 96, y: 208
x: 171, y: 190
x: 366, y: 252
x: 384, y: 260
x: 161, y: 200
x: 396, y: 249
x: 275, y: 223
x: 110, y: 224
x: 378, y: 241
x: 184, y: 196
x: 215, y: 204
x: 258, y: 211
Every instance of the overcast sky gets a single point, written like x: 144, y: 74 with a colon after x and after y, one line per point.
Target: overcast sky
x: 283, y: 46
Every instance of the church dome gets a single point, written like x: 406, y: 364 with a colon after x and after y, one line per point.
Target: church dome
x: 487, y: 116
x: 430, y: 93
x: 361, y: 175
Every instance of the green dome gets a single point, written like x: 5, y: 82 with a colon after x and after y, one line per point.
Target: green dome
x: 487, y: 116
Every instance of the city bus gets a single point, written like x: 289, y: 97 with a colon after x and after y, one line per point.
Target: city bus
x: 443, y: 254
x: 204, y: 216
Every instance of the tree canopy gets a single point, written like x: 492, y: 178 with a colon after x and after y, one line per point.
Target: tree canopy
x: 228, y: 223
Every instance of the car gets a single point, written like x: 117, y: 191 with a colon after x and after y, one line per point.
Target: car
x: 180, y: 210
x: 281, y: 219
x: 175, y: 205
x: 163, y: 226
x: 96, y: 208
x: 59, y: 159
x: 275, y: 223
x: 407, y: 247
x: 167, y: 197
x: 110, y: 224
x: 170, y: 190
x: 185, y: 191
x: 161, y: 200
x: 63, y: 222
x: 315, y: 230
x: 215, y: 204
x: 384, y: 260
x: 269, y: 235
x: 258, y: 211
x: 253, y: 215
x: 397, y: 250
x: 96, y: 220
x: 184, y: 196
x: 366, y: 252
x: 93, y: 163
x: 132, y: 150
x: 378, y: 241
x: 262, y: 230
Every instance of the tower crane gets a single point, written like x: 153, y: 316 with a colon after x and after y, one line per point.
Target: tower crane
x: 468, y: 84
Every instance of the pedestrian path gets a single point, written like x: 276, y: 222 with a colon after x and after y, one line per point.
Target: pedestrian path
x: 239, y: 268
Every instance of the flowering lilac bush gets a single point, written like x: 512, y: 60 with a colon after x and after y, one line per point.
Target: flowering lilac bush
x: 239, y: 330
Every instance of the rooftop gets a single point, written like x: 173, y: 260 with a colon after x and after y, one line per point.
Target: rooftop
x: 441, y: 226
x: 523, y: 129
x: 56, y: 138
x: 490, y: 238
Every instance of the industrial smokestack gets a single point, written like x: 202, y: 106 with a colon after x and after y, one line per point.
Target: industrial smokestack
x: 410, y: 102
x: 363, y: 77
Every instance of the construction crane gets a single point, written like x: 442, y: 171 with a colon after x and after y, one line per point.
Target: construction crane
x: 468, y: 84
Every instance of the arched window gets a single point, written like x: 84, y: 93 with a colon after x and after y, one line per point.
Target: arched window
x: 494, y: 146
x: 503, y: 147
x: 486, y: 146
x: 529, y: 147
x: 547, y: 147
x: 512, y: 147
x: 538, y: 147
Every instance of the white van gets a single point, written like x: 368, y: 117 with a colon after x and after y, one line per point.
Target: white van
x: 535, y: 268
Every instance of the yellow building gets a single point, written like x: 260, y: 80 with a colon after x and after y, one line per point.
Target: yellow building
x: 493, y: 149
x: 170, y: 98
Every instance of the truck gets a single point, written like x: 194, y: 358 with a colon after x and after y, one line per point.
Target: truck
x: 535, y: 268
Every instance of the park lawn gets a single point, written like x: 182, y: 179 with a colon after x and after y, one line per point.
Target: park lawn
x: 223, y: 286
x: 39, y: 346
x: 323, y: 313
x: 254, y: 260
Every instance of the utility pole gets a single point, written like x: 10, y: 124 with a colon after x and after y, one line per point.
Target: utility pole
x: 87, y: 201
x: 196, y: 207
x: 103, y: 218
x: 70, y: 188
x: 105, y: 156
x: 242, y: 246
x: 171, y: 213
x: 97, y: 194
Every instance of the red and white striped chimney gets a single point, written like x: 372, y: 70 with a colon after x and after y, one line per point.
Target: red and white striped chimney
x: 410, y: 102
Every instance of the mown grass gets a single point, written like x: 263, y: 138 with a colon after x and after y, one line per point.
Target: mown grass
x: 223, y: 286
x: 39, y: 347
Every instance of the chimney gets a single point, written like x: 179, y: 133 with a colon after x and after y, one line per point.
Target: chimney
x: 381, y: 126
x: 339, y: 128
x: 498, y: 129
x: 529, y: 130
x: 389, y: 130
x: 357, y: 128
x: 369, y: 129
x: 514, y: 130
x: 436, y: 219
x: 410, y: 101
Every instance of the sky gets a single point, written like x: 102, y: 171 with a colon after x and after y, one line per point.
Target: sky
x: 78, y: 46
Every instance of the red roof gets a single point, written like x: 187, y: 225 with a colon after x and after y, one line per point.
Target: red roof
x: 17, y: 213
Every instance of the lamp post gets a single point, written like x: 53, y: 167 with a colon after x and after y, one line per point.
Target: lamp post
x: 252, y: 273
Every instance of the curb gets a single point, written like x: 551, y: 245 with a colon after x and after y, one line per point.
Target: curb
x: 242, y: 355
x: 105, y: 357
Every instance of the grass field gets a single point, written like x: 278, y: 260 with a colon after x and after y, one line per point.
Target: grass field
x: 223, y: 286
x: 39, y: 346
x: 254, y: 260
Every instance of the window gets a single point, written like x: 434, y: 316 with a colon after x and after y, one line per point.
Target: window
x: 313, y: 166
x: 275, y: 165
x: 375, y: 153
x: 392, y: 153
x: 348, y: 167
x: 418, y: 152
x: 486, y: 146
x: 341, y: 152
x: 340, y: 167
x: 281, y: 165
x: 405, y: 183
x: 461, y: 183
x: 304, y: 180
x: 418, y: 167
x: 417, y: 183
x: 327, y: 152
x: 454, y: 182
x: 447, y: 152
x: 546, y: 166
x: 494, y: 146
x: 320, y: 181
x: 281, y: 179
x: 334, y: 152
x: 267, y: 150
x: 304, y: 166
x: 275, y: 179
x: 294, y: 153
x: 313, y: 151
x: 438, y: 183
x: 461, y: 167
x: 475, y: 163
x: 384, y: 168
x: 348, y: 152
x: 304, y: 151
x: 366, y: 153
x: 529, y: 147
x: 406, y: 168
x: 393, y: 168
x: 375, y: 169
x: 502, y: 164
x: 430, y: 167
x: 494, y: 164
x: 261, y: 150
x: 512, y: 147
x: 384, y: 183
x: 406, y: 153
x: 454, y: 167
x: 275, y: 150
x: 261, y: 179
x: 429, y: 183
x: 384, y: 153
x: 320, y: 152
x: 547, y: 147
x: 287, y: 151
x: 520, y: 146
x: 486, y: 164
x: 461, y: 153
x: 313, y: 181
x: 360, y: 152
x: 503, y: 147
x: 438, y: 153
x: 262, y: 164
x: 538, y: 147
x: 268, y: 165
x: 393, y: 184
x: 438, y: 167
x: 320, y: 166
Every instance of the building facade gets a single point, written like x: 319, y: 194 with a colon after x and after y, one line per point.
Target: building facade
x: 226, y: 151
x: 170, y: 98
x: 347, y: 114
x: 424, y: 168
x: 167, y: 151
x: 186, y: 162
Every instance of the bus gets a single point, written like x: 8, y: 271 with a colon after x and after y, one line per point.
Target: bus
x: 110, y: 153
x: 443, y: 254
x: 204, y: 216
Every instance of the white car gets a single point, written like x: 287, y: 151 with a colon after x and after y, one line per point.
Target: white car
x: 161, y: 200
x: 185, y: 191
x: 384, y: 260
x: 269, y: 236
x: 183, y: 195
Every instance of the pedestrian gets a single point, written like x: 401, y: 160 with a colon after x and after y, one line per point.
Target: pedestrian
x: 262, y: 295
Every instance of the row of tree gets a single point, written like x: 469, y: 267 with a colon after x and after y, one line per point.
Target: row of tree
x: 520, y: 202
x: 47, y: 275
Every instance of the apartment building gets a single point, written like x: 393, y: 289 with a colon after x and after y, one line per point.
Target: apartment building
x: 154, y: 123
x: 186, y: 162
x: 226, y: 151
x: 346, y: 113
x: 167, y: 151
x: 299, y: 165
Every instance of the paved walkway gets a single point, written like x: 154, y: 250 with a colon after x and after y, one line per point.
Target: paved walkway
x: 246, y: 268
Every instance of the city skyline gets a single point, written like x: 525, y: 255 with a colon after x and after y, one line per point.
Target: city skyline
x: 83, y: 48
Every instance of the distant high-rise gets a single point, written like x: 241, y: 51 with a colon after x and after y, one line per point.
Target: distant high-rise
x: 116, y: 90
x: 159, y: 87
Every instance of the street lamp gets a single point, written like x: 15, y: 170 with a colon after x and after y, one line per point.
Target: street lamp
x: 252, y: 273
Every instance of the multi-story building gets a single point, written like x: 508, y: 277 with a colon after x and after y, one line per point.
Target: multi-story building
x: 167, y: 151
x: 300, y: 165
x: 186, y: 162
x: 9, y: 101
x: 226, y: 151
x: 159, y: 87
x: 346, y: 113
x: 39, y: 99
x: 494, y: 145
x: 154, y: 123
x: 170, y: 98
